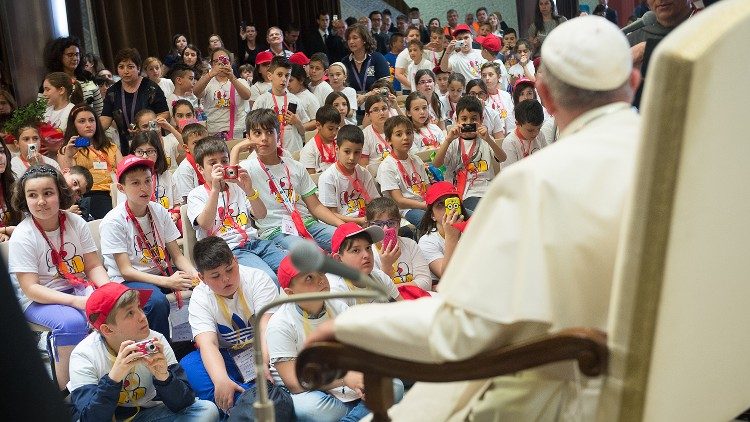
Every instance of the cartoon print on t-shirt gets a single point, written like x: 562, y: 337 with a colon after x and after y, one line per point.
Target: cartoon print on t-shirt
x: 161, y: 196
x: 240, y: 336
x: 353, y: 202
x: 418, y: 185
x: 402, y: 274
x: 131, y: 389
x: 286, y: 188
x: 478, y: 166
x: 229, y: 215
x: 70, y: 261
x: 474, y: 68
x: 382, y: 151
x: 147, y: 254
x: 221, y: 98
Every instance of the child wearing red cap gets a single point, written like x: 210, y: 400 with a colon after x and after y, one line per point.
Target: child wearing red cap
x: 352, y: 245
x: 124, y: 370
x: 261, y: 78
x: 442, y: 227
x: 460, y: 57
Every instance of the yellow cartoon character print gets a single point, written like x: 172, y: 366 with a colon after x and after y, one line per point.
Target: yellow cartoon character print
x: 131, y: 389
x: 402, y: 274
x: 478, y: 166
x: 352, y: 201
x: 285, y: 187
x: 222, y: 99
x: 148, y: 254
x: 70, y: 261
x: 161, y: 196
x: 229, y: 215
x: 453, y: 204
x: 419, y: 187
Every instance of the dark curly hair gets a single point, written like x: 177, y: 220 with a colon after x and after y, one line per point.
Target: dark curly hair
x: 53, y: 54
x: 36, y: 171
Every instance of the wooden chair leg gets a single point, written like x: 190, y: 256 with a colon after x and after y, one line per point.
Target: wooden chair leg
x: 379, y: 396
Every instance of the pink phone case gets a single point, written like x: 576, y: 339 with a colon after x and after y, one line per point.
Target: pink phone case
x: 390, y: 237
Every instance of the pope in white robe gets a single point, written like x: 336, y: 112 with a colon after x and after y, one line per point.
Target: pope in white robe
x: 538, y: 255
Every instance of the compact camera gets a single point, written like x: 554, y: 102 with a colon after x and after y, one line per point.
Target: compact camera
x: 223, y: 60
x: 231, y: 172
x: 383, y: 91
x: 152, y: 125
x: 459, y: 44
x: 82, y: 142
x: 147, y: 347
x: 469, y: 127
x: 32, y: 148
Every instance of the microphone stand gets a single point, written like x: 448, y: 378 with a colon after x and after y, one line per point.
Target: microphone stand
x: 264, y: 411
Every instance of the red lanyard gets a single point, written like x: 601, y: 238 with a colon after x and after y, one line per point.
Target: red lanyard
x: 280, y: 115
x: 327, y: 154
x: 408, y: 180
x: 62, y: 267
x: 155, y: 184
x: 224, y: 214
x: 356, y: 184
x: 299, y: 224
x: 453, y: 109
x: 429, y: 140
x: 497, y: 104
x: 381, y: 142
x: 466, y: 158
x: 191, y: 160
x: 526, y: 151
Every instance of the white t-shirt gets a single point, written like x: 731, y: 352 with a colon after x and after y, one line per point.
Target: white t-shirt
x: 166, y: 191
x: 335, y: 190
x: 424, y: 137
x: 173, y: 98
x: 18, y: 167
x: 432, y: 246
x: 310, y: 157
x: 468, y: 65
x: 411, y: 70
x: 517, y: 70
x: 411, y: 266
x: 207, y: 317
x: 30, y: 253
x: 321, y: 91
x: 481, y: 161
x: 239, y: 212
x: 258, y: 89
x: 338, y: 284
x: 498, y: 109
x: 186, y: 178
x: 119, y: 235
x: 449, y: 109
x: 171, y: 145
x: 167, y: 86
x: 91, y: 360
x: 376, y: 147
x: 58, y: 118
x: 389, y: 177
x: 217, y: 102
x: 514, y: 148
x: 309, y: 102
x: 504, y: 76
x: 300, y: 186
x: 351, y: 95
x: 292, y: 140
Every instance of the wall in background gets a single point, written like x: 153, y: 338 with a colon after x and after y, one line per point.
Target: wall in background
x: 432, y: 9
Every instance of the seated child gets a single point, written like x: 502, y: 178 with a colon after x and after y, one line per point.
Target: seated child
x: 52, y: 252
x: 285, y: 105
x: 468, y: 154
x: 527, y: 138
x: 317, y: 70
x: 187, y: 176
x: 79, y: 181
x: 524, y: 90
x: 440, y: 228
x: 320, y: 153
x: 286, y: 333
x: 112, y: 378
x: 497, y: 126
x: 427, y: 136
x: 221, y: 315
x: 402, y: 175
x: 456, y: 85
x: 294, y: 211
x: 352, y: 245
x: 226, y: 203
x: 146, y: 144
x: 139, y: 242
x: 346, y: 188
x: 184, y: 81
x: 147, y: 121
x: 376, y: 148
x: 299, y: 85
x: 401, y: 260
x: 29, y: 144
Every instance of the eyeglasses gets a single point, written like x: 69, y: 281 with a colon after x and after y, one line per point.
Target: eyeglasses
x: 478, y: 94
x: 386, y: 223
x: 145, y: 152
x: 426, y: 82
x: 379, y: 110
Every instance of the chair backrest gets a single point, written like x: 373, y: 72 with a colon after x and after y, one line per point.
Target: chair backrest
x: 679, y: 317
x: 188, y: 235
x: 4, y: 246
x: 94, y: 229
x: 296, y: 155
x: 310, y: 134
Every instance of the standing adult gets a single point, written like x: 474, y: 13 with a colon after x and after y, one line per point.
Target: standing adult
x: 551, y: 268
x: 64, y: 55
x: 388, y: 25
x: 336, y: 45
x: 315, y: 41
x: 381, y: 37
x: 179, y: 42
x: 415, y: 18
x: 291, y: 39
x: 131, y: 94
x: 545, y: 20
x: 249, y: 46
x: 609, y: 13
x: 481, y: 17
x: 275, y: 40
x: 452, y: 17
x: 364, y: 64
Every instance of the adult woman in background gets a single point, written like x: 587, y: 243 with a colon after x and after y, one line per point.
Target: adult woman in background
x: 64, y: 55
x: 364, y: 64
x: 545, y: 20
x: 179, y: 42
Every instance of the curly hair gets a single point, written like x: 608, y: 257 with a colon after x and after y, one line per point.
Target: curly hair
x: 53, y: 54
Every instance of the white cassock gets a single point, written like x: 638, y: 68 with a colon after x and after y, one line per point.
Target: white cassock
x: 537, y: 255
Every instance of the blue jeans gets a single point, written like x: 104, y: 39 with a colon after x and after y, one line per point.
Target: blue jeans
x: 321, y: 232
x: 314, y: 406
x: 262, y: 254
x: 67, y: 323
x: 157, y: 307
x: 414, y: 216
x: 200, y: 411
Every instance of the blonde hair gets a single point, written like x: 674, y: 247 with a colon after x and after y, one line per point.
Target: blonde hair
x: 151, y: 60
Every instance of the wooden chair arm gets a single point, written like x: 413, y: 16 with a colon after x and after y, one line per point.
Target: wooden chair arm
x: 323, y: 362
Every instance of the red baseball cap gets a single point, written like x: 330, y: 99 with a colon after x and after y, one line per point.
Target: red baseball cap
x: 439, y: 190
x: 298, y: 58
x: 104, y: 299
x: 130, y: 161
x: 523, y: 81
x: 350, y: 229
x: 491, y: 43
x: 263, y: 57
x: 286, y: 272
x: 461, y: 28
x: 438, y: 70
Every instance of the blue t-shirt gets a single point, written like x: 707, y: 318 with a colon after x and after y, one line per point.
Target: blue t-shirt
x: 391, y: 59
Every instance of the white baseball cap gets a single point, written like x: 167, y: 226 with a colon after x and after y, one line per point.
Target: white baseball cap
x: 588, y: 52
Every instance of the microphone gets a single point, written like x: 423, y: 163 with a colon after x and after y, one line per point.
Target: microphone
x: 308, y: 258
x: 648, y: 19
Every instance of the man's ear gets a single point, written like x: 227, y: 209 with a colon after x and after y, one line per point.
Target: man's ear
x: 544, y: 95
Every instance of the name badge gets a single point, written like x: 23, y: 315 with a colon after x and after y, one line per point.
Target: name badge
x: 100, y: 165
x: 245, y: 361
x: 288, y: 227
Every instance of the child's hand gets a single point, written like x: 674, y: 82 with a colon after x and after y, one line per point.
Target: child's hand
x: 180, y: 280
x: 245, y: 181
x: 484, y: 133
x: 157, y: 362
x: 453, y: 133
x: 452, y: 46
x: 217, y: 174
x: 163, y: 123
x: 449, y: 218
x: 291, y: 118
x: 127, y: 357
x: 389, y: 256
x: 75, y: 209
x: 355, y: 381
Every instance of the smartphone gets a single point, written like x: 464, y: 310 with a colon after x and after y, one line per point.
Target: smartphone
x: 292, y: 108
x: 390, y: 237
x: 82, y: 142
x: 243, y: 25
x: 469, y: 127
x: 453, y: 203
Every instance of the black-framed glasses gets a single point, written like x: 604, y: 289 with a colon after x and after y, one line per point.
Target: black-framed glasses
x: 386, y: 223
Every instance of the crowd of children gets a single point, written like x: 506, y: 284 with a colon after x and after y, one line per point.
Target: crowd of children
x: 253, y: 160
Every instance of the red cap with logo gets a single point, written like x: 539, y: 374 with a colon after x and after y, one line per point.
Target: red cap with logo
x: 131, y: 161
x: 350, y: 229
x: 461, y: 28
x: 298, y: 58
x: 491, y: 43
x: 286, y: 272
x: 104, y: 299
x: 439, y: 190
x: 263, y: 57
